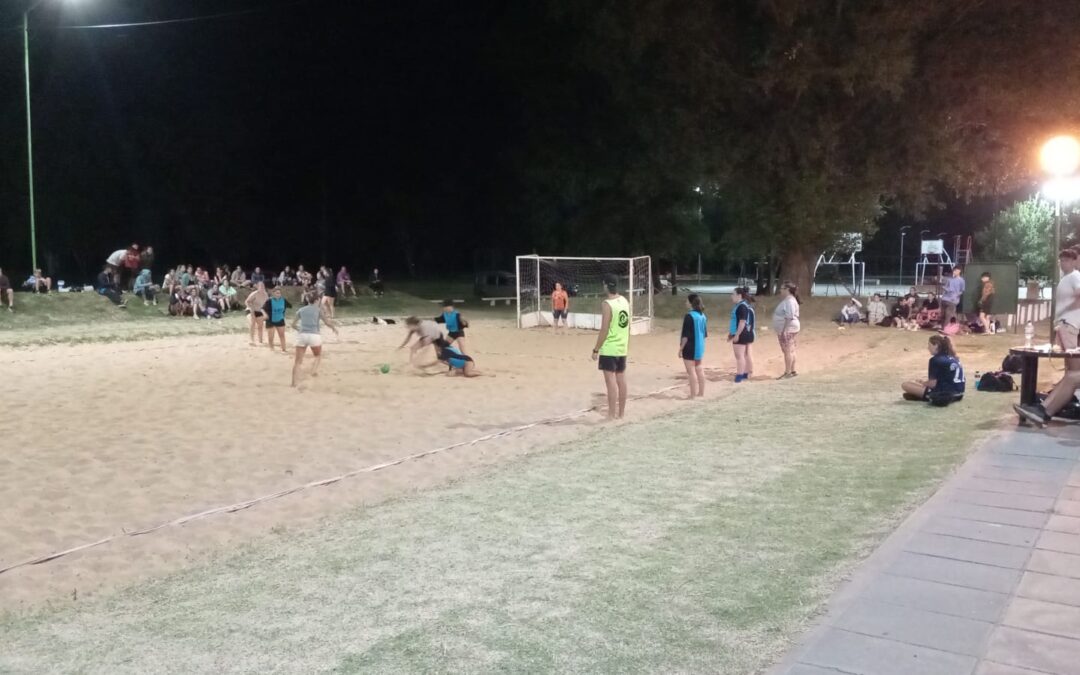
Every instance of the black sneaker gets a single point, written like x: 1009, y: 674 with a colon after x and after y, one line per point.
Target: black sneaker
x: 912, y: 397
x: 1035, y: 414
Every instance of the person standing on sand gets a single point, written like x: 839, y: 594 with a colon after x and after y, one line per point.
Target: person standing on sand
x: 692, y: 344
x: 254, y: 303
x: 274, y: 309
x: 307, y: 321
x: 560, y: 307
x: 952, y: 290
x: 612, y: 347
x: 786, y: 325
x: 741, y: 335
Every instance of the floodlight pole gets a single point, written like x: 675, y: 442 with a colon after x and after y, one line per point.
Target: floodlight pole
x: 1055, y: 268
x: 29, y: 133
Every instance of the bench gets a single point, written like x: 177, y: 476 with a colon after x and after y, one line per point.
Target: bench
x: 456, y: 301
x: 506, y: 300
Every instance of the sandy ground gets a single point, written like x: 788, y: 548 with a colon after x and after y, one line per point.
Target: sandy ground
x: 105, y: 438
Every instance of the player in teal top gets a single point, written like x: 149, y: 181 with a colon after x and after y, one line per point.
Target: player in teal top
x: 692, y: 344
x: 455, y: 324
x: 274, y: 309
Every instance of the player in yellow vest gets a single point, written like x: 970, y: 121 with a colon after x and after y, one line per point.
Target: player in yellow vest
x: 612, y: 345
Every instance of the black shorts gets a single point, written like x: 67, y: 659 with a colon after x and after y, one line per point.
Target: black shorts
x: 745, y: 338
x: 259, y: 314
x: 558, y: 314
x: 275, y: 324
x: 688, y: 353
x: 612, y: 364
x: 987, y: 306
x: 456, y: 334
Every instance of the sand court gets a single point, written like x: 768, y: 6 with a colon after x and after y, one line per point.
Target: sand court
x: 100, y: 438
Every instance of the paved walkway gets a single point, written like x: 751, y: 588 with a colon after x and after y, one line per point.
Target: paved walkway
x: 983, y: 579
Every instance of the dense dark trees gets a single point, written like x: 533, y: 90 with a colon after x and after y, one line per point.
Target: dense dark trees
x: 417, y: 135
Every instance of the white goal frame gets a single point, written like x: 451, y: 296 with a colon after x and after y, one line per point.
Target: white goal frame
x: 534, y: 299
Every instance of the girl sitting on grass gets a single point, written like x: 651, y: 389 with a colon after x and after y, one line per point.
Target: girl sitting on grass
x: 945, y: 379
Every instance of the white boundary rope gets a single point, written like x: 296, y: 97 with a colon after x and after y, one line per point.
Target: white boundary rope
x: 239, y: 506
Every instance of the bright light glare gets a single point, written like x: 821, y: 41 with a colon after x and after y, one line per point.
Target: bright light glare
x: 1060, y: 156
x: 1064, y: 190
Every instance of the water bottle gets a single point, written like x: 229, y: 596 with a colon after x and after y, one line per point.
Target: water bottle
x: 1029, y: 334
x: 978, y: 380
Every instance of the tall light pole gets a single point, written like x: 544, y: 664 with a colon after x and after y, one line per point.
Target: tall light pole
x: 1060, y: 157
x: 903, y: 233
x: 29, y: 132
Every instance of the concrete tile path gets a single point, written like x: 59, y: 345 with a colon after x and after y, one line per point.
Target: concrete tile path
x: 983, y: 579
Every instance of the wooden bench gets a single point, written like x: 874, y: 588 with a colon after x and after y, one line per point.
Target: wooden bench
x: 456, y: 301
x: 506, y: 300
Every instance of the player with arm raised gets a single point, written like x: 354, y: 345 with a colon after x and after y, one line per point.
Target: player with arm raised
x: 612, y: 346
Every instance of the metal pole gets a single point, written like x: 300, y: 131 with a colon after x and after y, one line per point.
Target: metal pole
x: 902, y: 235
x: 1054, y: 266
x: 29, y: 138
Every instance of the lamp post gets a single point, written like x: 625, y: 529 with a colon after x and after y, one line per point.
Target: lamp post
x: 29, y: 131
x: 903, y: 233
x: 1060, y: 157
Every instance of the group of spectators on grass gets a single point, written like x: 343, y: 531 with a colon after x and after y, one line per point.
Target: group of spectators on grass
x: 194, y: 291
x: 913, y: 312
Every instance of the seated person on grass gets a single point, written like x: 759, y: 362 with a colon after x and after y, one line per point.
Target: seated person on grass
x: 930, y: 312
x: 38, y: 282
x: 106, y: 285
x: 7, y: 292
x: 850, y: 312
x: 144, y: 287
x: 457, y: 362
x: 945, y: 377
x: 876, y: 311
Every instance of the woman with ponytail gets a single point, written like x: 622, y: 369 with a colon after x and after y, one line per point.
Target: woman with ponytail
x: 786, y: 326
x: 945, y: 379
x: 692, y: 344
x: 741, y: 333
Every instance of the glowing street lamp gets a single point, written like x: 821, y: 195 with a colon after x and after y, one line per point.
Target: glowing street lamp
x: 1060, y: 158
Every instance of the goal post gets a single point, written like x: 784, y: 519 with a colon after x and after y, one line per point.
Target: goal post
x: 583, y: 280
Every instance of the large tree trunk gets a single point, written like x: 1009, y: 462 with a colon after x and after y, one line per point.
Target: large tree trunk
x: 798, y: 268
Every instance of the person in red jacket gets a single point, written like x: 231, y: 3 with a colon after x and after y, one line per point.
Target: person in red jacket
x: 131, y: 266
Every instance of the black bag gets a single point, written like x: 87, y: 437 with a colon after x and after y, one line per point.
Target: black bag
x: 999, y: 381
x: 1012, y: 363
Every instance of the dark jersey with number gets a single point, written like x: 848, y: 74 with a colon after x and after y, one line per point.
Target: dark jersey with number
x: 948, y: 374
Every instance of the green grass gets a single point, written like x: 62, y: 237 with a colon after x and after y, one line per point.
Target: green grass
x: 701, y: 542
x: 71, y: 318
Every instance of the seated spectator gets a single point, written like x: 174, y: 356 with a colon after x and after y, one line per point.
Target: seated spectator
x: 202, y: 277
x: 144, y: 287
x: 238, y: 278
x: 38, y: 282
x: 344, y: 282
x: 116, y: 259
x: 954, y: 328
x: 6, y: 291
x: 876, y: 311
x: 929, y: 314
x: 187, y: 277
x: 106, y: 285
x: 303, y: 277
x: 903, y: 313
x: 220, y: 275
x: 257, y: 277
x: 215, y: 299
x: 287, y: 277
x: 375, y: 282
x: 228, y: 294
x: 850, y: 312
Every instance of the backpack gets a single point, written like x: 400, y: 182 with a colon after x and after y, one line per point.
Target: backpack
x: 997, y: 381
x: 1012, y: 363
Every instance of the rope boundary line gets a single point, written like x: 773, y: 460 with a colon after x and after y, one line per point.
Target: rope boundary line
x: 240, y: 506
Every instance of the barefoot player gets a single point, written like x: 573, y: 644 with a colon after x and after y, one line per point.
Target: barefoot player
x: 560, y: 306
x: 612, y: 345
x: 307, y: 322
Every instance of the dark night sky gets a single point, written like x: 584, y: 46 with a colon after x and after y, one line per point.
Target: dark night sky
x: 320, y: 131
x: 273, y: 137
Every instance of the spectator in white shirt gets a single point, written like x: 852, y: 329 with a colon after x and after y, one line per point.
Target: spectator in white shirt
x: 876, y: 310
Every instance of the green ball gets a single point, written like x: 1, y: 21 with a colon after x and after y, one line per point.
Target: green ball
x: 384, y: 368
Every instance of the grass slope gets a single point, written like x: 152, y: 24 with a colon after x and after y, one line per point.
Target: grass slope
x: 697, y: 543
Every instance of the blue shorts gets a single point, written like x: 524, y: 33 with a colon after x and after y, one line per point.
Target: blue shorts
x: 459, y: 364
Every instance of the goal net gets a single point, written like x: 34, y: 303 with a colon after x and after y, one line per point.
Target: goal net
x: 583, y: 281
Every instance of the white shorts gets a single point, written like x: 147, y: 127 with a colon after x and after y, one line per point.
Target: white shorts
x: 309, y: 340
